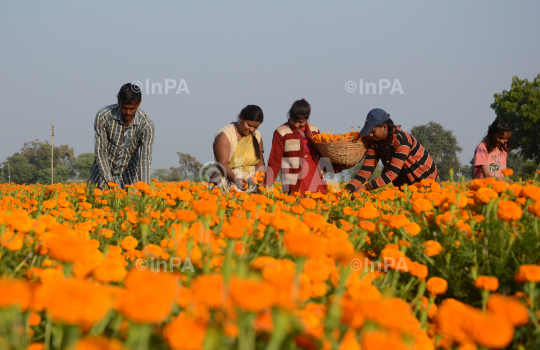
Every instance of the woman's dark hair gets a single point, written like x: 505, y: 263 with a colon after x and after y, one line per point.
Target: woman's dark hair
x: 300, y: 110
x: 129, y: 93
x: 387, y: 143
x: 254, y: 114
x: 497, y: 129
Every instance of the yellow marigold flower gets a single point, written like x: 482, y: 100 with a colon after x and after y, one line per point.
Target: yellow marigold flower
x: 509, y: 211
x: 185, y: 333
x: 437, y: 286
x: 432, y: 248
x: 528, y: 273
x: 129, y: 243
x: 485, y: 194
x: 487, y: 283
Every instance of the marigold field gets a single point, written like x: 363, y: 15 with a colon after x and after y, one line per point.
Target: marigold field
x: 183, y: 266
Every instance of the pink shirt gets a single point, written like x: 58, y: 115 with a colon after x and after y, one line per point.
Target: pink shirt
x: 496, y: 161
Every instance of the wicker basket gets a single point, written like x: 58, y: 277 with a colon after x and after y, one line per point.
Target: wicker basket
x: 344, y: 154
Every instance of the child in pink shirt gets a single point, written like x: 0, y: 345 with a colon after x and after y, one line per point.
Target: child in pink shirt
x: 490, y: 155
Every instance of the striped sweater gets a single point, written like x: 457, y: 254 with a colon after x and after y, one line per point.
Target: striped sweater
x: 285, y: 156
x: 408, y: 156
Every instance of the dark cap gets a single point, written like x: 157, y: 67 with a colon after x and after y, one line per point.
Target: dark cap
x: 375, y: 117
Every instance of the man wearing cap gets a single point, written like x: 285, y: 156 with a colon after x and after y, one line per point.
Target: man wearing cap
x: 404, y: 159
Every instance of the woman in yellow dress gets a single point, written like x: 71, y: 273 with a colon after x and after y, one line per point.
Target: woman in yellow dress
x: 238, y: 151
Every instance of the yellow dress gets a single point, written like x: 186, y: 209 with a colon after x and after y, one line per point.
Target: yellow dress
x: 242, y: 158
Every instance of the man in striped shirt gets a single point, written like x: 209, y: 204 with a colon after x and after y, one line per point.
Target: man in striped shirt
x: 124, y: 137
x: 405, y: 160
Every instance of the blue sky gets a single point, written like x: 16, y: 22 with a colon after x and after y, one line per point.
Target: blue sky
x: 61, y: 61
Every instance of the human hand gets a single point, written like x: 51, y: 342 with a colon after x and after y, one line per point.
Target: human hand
x: 241, y: 184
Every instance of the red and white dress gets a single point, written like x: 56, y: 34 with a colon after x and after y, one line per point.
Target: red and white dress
x: 297, y: 158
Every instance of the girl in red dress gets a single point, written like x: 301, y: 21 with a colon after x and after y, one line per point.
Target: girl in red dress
x: 294, y: 153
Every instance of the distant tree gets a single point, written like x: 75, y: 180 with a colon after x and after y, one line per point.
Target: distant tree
x: 467, y: 171
x: 166, y: 175
x: 188, y: 168
x: 442, y: 146
x: 33, y: 163
x: 20, y: 170
x: 83, y: 164
x: 521, y: 106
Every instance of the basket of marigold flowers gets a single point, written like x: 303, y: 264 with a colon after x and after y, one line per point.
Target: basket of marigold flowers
x: 344, y: 150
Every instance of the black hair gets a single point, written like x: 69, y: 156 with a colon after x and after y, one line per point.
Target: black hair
x: 387, y: 143
x: 497, y: 128
x: 254, y: 114
x: 299, y: 110
x: 129, y: 93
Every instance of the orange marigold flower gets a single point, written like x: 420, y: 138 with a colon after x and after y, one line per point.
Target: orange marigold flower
x: 77, y: 302
x: 98, y: 343
x: 69, y: 249
x: 487, y: 283
x: 232, y: 231
x: 186, y: 215
x: 308, y: 203
x: 509, y: 307
x: 507, y: 172
x: 208, y: 290
x: 376, y: 340
x: 422, y: 205
x: 437, y: 286
x: 532, y: 192
x: 528, y: 273
x: 129, y: 243
x: 34, y: 319
x: 204, y: 208
x: 368, y: 212
x: 309, y: 246
x: 509, y: 211
x: 14, y: 292
x: 142, y: 186
x: 485, y: 194
x: 398, y: 221
x: 185, y: 333
x: 432, y: 248
x: 413, y: 228
x: 149, y: 296
x: 252, y: 295
x: 368, y: 226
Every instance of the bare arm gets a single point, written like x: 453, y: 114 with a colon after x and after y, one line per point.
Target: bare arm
x: 221, y: 152
x: 260, y: 165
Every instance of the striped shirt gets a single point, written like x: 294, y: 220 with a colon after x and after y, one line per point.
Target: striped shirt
x: 123, y: 154
x: 409, y: 156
